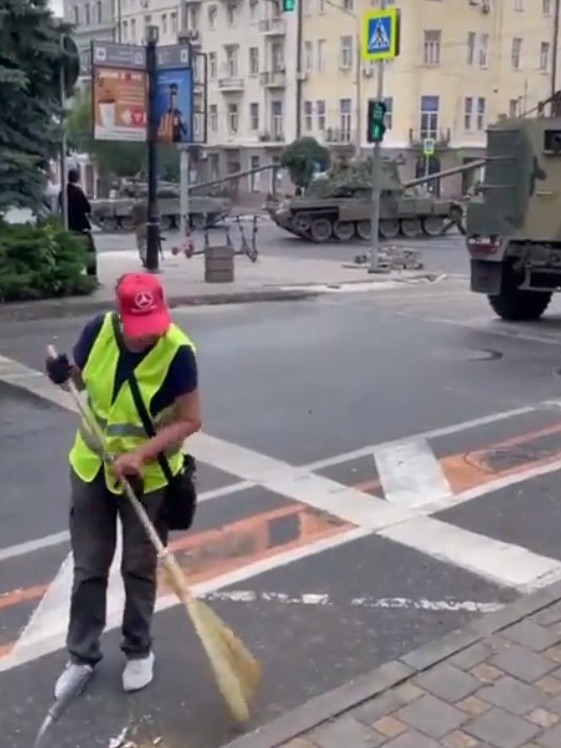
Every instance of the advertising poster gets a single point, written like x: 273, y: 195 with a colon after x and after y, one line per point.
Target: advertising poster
x: 174, y: 105
x: 119, y: 102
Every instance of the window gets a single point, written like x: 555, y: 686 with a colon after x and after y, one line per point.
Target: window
x: 519, y: 5
x: 164, y: 23
x: 99, y: 12
x: 470, y: 48
x: 253, y: 9
x: 232, y: 62
x: 480, y: 113
x: 255, y: 176
x: 544, y: 56
x: 133, y: 29
x: 431, y: 47
x: 483, y: 50
x: 468, y: 113
x: 254, y: 116
x: 320, y: 114
x: 173, y: 22
x: 213, y: 117
x: 254, y: 61
x: 308, y: 56
x: 345, y: 119
x: 233, y: 119
x: 513, y: 107
x: 76, y: 15
x: 389, y: 112
x: 429, y: 116
x: 231, y: 13
x: 346, y: 52
x: 308, y: 116
x: 277, y: 57
x: 348, y: 4
x: 321, y: 54
x: 193, y: 18
x: 547, y: 7
x: 276, y: 120
x: 87, y: 17
x: 515, y: 53
x: 125, y: 30
x: 211, y: 15
x: 321, y: 6
x: 212, y: 64
x: 147, y: 22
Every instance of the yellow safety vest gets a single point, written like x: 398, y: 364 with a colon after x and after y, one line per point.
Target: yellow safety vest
x: 119, y: 420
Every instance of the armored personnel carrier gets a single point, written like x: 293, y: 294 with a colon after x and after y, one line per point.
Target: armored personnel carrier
x: 513, y: 226
x: 338, y: 206
x: 117, y: 214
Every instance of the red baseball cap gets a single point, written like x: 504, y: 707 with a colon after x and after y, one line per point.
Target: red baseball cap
x: 142, y: 305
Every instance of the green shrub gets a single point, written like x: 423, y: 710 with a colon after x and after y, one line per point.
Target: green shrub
x: 41, y: 261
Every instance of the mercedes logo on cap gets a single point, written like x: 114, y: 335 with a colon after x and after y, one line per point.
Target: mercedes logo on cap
x: 143, y: 301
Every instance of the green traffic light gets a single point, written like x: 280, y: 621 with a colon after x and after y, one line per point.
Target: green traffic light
x: 288, y: 5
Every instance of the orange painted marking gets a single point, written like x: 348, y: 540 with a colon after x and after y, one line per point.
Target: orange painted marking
x: 211, y: 553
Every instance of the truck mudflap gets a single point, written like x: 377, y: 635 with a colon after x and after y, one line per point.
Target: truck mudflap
x: 486, y: 277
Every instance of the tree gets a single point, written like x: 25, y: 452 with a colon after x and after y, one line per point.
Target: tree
x: 30, y: 58
x: 114, y: 159
x: 302, y: 157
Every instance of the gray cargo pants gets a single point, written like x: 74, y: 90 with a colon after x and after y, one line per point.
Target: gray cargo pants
x: 93, y: 536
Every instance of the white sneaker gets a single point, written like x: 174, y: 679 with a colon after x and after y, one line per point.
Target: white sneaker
x: 73, y: 678
x: 138, y: 673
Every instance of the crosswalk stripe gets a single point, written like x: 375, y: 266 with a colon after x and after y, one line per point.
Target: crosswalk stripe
x: 410, y: 474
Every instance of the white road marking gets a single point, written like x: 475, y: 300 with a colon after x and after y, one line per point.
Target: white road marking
x: 502, y: 563
x: 389, y: 603
x: 54, y: 631
x: 410, y: 474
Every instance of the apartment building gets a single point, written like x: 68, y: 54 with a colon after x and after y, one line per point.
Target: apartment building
x: 273, y: 76
x: 94, y: 20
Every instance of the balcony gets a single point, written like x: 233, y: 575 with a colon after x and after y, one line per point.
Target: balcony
x: 231, y: 85
x: 273, y: 26
x: 274, y: 136
x: 441, y: 138
x: 338, y: 136
x: 273, y: 79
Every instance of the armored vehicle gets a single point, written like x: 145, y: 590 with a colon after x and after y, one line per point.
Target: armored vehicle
x: 117, y: 214
x: 513, y: 226
x: 339, y: 206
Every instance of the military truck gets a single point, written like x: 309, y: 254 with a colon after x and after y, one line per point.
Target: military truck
x: 338, y: 206
x: 117, y: 214
x: 513, y: 224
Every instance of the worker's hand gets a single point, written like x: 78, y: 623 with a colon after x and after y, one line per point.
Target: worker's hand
x: 58, y: 369
x: 128, y: 465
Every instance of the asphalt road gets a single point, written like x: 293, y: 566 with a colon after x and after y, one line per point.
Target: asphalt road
x: 444, y: 254
x: 359, y: 499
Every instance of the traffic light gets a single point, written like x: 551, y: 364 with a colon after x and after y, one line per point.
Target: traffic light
x: 288, y: 5
x: 376, y: 121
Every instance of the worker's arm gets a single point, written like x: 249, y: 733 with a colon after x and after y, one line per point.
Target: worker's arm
x: 182, y: 385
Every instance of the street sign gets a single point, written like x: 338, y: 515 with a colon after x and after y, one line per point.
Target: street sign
x: 380, y: 35
x: 429, y: 145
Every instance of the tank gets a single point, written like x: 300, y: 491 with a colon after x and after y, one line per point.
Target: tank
x: 513, y: 223
x: 117, y: 214
x: 338, y: 206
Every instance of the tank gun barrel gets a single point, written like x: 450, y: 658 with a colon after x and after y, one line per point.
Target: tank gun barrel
x: 446, y: 173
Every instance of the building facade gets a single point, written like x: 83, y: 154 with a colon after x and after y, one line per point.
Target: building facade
x: 273, y: 76
x: 93, y: 20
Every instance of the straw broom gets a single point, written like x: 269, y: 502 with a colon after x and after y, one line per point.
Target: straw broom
x: 236, y: 671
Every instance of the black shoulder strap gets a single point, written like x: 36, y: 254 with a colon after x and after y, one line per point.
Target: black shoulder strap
x: 140, y: 405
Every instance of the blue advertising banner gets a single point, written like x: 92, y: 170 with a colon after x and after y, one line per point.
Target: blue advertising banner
x: 174, y: 105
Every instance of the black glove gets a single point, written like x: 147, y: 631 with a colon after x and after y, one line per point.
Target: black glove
x: 58, y: 369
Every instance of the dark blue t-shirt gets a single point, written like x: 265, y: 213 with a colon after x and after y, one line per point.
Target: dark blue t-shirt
x: 181, y: 378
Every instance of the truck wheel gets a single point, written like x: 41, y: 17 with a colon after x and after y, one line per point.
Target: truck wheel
x: 515, y: 305
x: 343, y: 230
x: 389, y: 228
x: 411, y: 228
x: 321, y: 230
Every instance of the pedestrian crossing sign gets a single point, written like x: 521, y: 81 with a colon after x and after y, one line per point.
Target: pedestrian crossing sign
x: 380, y: 35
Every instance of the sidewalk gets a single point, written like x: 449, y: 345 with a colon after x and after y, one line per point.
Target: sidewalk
x: 498, y: 683
x: 268, y: 279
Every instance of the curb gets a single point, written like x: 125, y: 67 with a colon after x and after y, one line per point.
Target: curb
x: 56, y: 308
x: 332, y: 704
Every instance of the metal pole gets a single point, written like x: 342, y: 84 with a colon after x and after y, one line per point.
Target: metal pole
x: 358, y: 85
x: 184, y: 171
x: 376, y: 179
x: 153, y: 222
x: 555, y: 44
x: 63, y: 146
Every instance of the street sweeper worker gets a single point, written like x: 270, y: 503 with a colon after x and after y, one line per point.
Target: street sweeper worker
x: 139, y: 343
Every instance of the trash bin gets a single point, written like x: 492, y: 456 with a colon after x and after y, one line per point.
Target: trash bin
x: 219, y: 264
